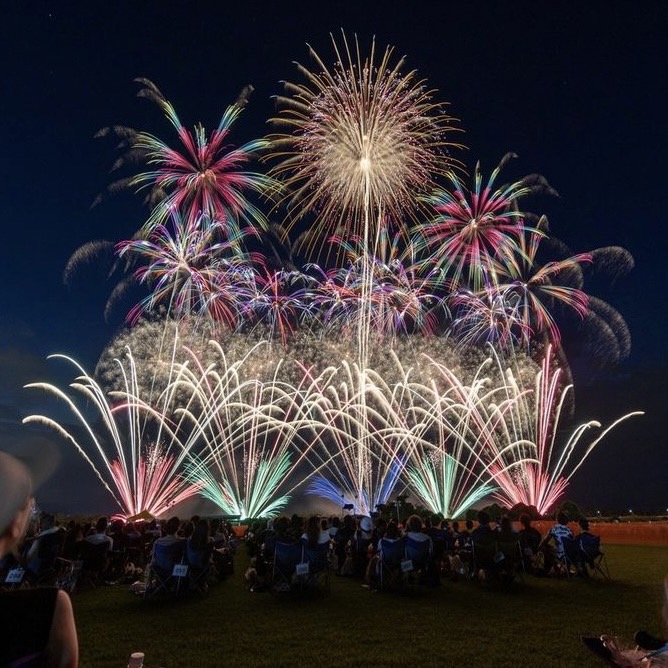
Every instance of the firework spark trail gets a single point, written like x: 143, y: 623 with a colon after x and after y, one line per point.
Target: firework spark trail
x: 242, y: 436
x: 535, y: 420
x: 133, y: 461
x: 458, y: 455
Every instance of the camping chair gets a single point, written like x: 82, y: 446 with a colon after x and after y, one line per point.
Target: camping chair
x: 569, y: 561
x: 359, y: 553
x: 391, y: 553
x: 418, y: 560
x: 509, y: 558
x: 317, y: 559
x: 42, y: 569
x: 592, y: 556
x: 485, y: 557
x: 200, y: 568
x: 68, y: 571
x: 286, y: 558
x: 443, y: 548
x: 461, y: 559
x: 94, y: 559
x: 167, y: 570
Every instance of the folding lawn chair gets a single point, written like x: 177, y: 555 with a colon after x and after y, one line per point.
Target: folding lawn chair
x: 391, y: 554
x: 94, y: 561
x: 417, y: 565
x: 592, y: 556
x: 484, y: 555
x: 167, y: 572
x: 287, y: 556
x: 509, y: 558
x: 317, y: 559
x: 200, y: 568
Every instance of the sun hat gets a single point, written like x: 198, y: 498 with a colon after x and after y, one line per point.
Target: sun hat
x: 26, y: 461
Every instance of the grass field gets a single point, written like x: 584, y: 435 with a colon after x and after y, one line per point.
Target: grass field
x: 532, y: 623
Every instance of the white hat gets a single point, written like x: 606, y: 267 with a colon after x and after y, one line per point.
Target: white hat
x: 15, y: 488
x: 29, y: 462
x: 366, y: 524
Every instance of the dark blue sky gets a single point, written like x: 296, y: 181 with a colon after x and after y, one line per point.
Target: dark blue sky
x: 578, y: 90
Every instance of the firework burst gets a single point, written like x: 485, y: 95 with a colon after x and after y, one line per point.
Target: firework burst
x: 473, y: 227
x: 188, y: 271
x: 362, y: 139
x: 536, y: 421
x: 135, y: 456
x: 204, y: 175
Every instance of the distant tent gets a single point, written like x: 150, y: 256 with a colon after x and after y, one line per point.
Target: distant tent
x: 143, y: 516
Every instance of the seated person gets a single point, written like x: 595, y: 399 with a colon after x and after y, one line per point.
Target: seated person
x: 484, y: 539
x: 342, y: 541
x: 421, y: 557
x: 315, y: 532
x: 99, y: 536
x: 463, y: 539
x: 391, y: 537
x: 650, y: 651
x: 168, y: 550
x: 530, y: 540
x: 41, y: 556
x: 555, y: 542
x: 589, y: 544
x: 414, y: 529
x: 36, y: 625
x: 170, y: 533
x: 359, y: 547
x: 484, y: 529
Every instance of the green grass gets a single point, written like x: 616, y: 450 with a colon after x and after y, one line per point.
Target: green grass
x: 535, y: 623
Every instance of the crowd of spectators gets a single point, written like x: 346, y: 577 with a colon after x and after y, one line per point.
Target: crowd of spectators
x: 116, y: 551
x: 119, y: 551
x: 486, y: 549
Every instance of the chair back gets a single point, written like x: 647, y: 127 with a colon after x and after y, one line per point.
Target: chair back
x: 484, y: 549
x: 509, y: 545
x: 571, y: 549
x: 287, y: 556
x: 443, y: 542
x: 418, y: 551
x: 166, y: 555
x: 392, y: 552
x: 197, y: 557
x: 317, y: 556
x: 590, y: 546
x: 93, y: 555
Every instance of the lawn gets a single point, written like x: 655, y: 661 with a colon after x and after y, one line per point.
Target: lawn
x: 532, y: 623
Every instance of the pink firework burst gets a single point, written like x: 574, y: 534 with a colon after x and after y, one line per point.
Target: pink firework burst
x: 535, y: 289
x: 186, y: 269
x: 473, y: 227
x: 541, y: 478
x: 204, y: 174
x: 400, y: 299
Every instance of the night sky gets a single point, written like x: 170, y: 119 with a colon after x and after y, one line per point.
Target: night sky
x: 577, y: 90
